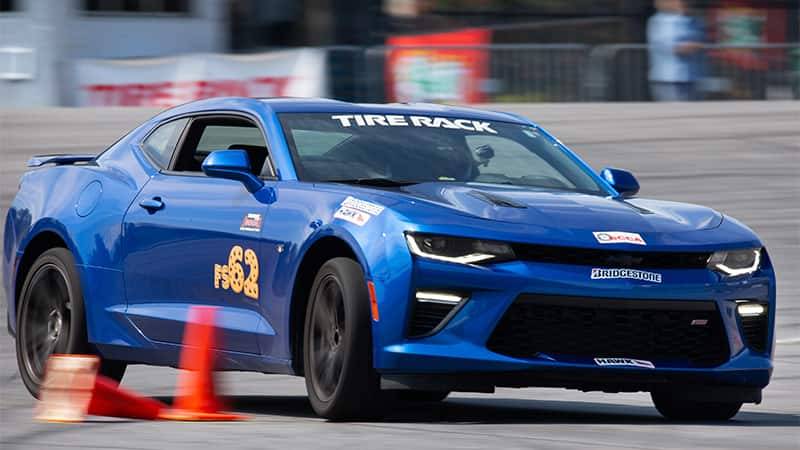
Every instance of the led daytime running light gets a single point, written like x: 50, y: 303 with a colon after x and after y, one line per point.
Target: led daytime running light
x: 751, y: 309
x: 437, y: 297
x: 472, y: 258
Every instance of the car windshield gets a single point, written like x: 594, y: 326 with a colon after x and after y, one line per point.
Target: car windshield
x: 396, y: 150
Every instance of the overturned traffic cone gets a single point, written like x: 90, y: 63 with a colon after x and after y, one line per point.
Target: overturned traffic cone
x: 108, y: 399
x: 195, y: 395
x: 72, y: 389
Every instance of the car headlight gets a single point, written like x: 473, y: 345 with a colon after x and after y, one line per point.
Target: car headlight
x: 458, y: 250
x: 735, y: 262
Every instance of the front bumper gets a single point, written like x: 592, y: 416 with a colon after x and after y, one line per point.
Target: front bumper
x: 696, y: 387
x: 456, y: 355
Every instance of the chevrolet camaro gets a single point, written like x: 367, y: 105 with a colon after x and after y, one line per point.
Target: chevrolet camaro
x: 385, y: 252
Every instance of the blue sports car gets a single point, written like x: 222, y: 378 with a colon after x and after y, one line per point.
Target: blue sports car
x: 385, y: 252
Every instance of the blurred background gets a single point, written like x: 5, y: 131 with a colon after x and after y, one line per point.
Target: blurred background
x: 165, y: 52
x: 593, y: 57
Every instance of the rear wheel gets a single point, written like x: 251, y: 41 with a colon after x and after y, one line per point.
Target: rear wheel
x: 51, y: 318
x: 340, y: 378
x: 681, y: 409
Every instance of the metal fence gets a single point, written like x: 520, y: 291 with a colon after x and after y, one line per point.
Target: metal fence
x: 460, y: 74
x: 507, y: 73
x: 553, y: 73
x: 728, y: 72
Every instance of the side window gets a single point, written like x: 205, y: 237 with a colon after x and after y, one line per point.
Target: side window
x: 220, y: 137
x: 224, y: 133
x: 161, y: 143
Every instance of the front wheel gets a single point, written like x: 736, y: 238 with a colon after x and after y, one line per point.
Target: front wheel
x: 340, y: 379
x: 681, y: 409
x: 51, y: 318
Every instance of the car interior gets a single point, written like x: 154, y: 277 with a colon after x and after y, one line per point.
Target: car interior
x: 209, y: 134
x: 366, y: 156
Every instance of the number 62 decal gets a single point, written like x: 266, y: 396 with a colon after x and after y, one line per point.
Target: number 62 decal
x: 231, y: 276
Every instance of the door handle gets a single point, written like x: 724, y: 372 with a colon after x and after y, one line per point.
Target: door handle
x: 152, y: 204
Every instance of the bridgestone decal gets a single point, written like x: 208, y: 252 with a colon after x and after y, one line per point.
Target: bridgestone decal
x: 631, y: 274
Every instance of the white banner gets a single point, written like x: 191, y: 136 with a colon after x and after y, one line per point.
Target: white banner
x: 168, y: 82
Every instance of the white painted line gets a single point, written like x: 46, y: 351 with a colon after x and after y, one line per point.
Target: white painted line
x: 795, y: 340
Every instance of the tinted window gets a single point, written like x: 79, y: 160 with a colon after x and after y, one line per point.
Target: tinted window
x: 225, y: 133
x: 316, y: 143
x: 512, y: 159
x: 219, y: 137
x: 418, y: 149
x: 161, y: 143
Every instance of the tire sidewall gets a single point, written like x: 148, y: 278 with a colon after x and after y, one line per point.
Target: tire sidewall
x: 358, y: 378
x: 677, y: 409
x: 63, y: 260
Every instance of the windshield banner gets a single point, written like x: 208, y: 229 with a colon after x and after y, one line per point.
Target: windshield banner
x: 393, y: 120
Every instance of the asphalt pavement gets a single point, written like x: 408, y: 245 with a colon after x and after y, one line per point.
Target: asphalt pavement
x: 742, y: 159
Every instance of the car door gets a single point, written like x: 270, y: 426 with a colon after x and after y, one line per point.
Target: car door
x: 191, y: 239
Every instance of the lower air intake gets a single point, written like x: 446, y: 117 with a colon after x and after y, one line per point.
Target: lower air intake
x: 427, y: 316
x: 682, y: 333
x: 755, y: 331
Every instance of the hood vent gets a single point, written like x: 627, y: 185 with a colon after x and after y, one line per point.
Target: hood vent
x: 635, y: 207
x: 496, y: 200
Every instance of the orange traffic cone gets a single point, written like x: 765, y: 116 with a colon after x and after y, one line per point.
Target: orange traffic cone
x: 195, y: 395
x: 72, y: 389
x: 108, y: 399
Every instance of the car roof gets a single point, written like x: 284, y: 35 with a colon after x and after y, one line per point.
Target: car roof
x: 328, y: 105
x: 312, y: 105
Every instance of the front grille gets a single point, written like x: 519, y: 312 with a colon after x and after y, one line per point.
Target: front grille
x: 611, y: 258
x: 656, y: 330
x: 755, y: 331
x: 427, y: 316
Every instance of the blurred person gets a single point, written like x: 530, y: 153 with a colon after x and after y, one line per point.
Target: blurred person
x: 675, y: 41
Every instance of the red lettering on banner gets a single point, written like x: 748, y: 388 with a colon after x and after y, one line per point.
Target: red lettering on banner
x: 270, y: 86
x: 170, y: 93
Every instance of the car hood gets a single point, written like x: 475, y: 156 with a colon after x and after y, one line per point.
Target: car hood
x: 562, y: 209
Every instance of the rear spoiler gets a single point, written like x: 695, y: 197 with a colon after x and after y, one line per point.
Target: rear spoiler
x: 59, y: 160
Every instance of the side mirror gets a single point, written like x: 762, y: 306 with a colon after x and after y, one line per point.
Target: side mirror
x: 233, y: 165
x: 621, y: 180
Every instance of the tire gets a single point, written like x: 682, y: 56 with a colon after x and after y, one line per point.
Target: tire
x: 337, y: 350
x: 51, y: 318
x: 680, y: 409
x: 423, y: 396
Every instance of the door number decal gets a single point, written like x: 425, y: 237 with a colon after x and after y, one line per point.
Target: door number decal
x: 231, y: 276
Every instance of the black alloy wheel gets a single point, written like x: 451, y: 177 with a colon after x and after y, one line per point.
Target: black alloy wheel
x: 51, y: 318
x: 340, y: 379
x: 327, y: 333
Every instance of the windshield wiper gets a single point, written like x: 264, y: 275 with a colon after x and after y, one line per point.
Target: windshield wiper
x: 379, y: 182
